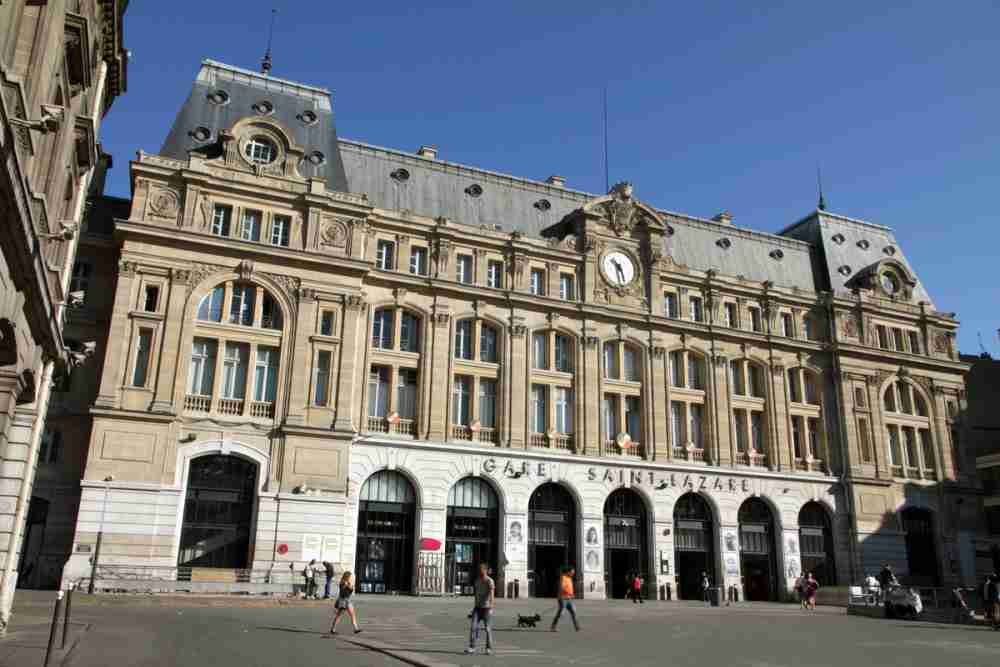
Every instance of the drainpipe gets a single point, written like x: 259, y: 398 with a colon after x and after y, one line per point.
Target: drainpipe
x: 24, y: 497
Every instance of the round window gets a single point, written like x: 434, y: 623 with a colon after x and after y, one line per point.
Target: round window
x: 260, y: 150
x: 890, y: 283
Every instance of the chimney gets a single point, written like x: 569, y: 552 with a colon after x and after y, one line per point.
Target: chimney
x: 428, y: 151
x: 556, y: 181
x: 725, y: 218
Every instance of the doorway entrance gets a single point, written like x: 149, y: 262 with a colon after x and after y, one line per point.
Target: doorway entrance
x: 387, y: 510
x: 921, y: 551
x: 757, y: 551
x: 33, y: 545
x: 625, y: 541
x: 471, y: 534
x: 816, y: 543
x: 551, y: 538
x: 694, y: 552
x: 218, y: 512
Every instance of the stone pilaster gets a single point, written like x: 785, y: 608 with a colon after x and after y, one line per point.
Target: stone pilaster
x: 440, y: 380
x: 718, y: 411
x: 659, y: 447
x: 518, y: 384
x: 109, y: 394
x: 300, y: 360
x: 591, y: 384
x: 351, y: 375
x: 170, y: 338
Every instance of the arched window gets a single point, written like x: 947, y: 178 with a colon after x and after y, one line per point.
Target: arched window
x: 475, y: 385
x: 805, y: 412
x: 393, y: 387
x: 233, y: 370
x: 748, y: 391
x: 551, y: 396
x: 908, y: 434
x: 687, y: 371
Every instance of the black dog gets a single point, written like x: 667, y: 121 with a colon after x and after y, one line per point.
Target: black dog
x: 528, y: 621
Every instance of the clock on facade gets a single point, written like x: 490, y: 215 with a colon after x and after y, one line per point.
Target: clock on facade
x: 618, y: 268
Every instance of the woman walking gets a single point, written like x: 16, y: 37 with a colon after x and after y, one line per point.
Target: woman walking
x: 811, y: 586
x: 344, y: 603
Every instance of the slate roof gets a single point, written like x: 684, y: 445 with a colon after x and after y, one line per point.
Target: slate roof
x: 245, y: 88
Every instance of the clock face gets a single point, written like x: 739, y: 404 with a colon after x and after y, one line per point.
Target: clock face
x: 618, y: 268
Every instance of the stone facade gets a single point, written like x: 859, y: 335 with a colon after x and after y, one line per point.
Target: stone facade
x: 321, y: 337
x: 62, y: 64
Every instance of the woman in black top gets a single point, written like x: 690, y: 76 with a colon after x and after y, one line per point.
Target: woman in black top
x: 344, y: 603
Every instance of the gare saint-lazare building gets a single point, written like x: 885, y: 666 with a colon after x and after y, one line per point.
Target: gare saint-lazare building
x: 311, y: 347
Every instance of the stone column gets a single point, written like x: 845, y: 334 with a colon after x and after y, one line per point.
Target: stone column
x: 109, y: 394
x: 300, y: 361
x: 350, y: 377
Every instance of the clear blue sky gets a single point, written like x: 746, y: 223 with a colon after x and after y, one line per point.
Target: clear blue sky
x: 712, y: 105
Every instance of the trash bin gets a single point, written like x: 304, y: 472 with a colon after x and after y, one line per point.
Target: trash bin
x: 715, y: 595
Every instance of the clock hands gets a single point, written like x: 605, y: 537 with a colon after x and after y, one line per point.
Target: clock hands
x: 618, y: 270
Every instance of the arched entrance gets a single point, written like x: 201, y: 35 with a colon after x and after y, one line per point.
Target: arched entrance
x: 626, y: 540
x: 921, y: 550
x: 472, y: 532
x: 757, y: 552
x: 551, y: 537
x: 816, y: 543
x: 218, y: 512
x: 387, y: 508
x: 694, y: 542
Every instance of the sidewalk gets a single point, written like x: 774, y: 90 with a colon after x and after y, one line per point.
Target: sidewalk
x: 26, y: 639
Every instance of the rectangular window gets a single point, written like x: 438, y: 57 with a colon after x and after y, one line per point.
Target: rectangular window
x: 797, y: 437
x: 321, y: 378
x: 756, y: 379
x: 670, y: 305
x: 221, y: 217
x: 737, y: 378
x: 567, y: 287
x: 382, y: 333
x: 865, y: 440
x: 537, y: 284
x: 730, y: 309
x: 494, y: 274
x: 564, y: 354
x: 461, y: 400
x: 463, y: 340
x: 242, y: 304
x: 385, y: 255
x: 632, y: 370
x: 378, y: 392
x: 807, y: 328
x: 463, y: 269
x: 250, y: 225
x: 740, y: 425
x: 696, y: 414
x: 677, y: 424
x: 695, y: 378
x: 326, y: 323
x: 418, y: 260
x: 409, y: 333
x: 697, y: 311
x: 539, y: 409
x: 914, y: 342
x: 144, y: 343
x: 234, y: 371
x: 540, y: 350
x: 487, y: 403
x: 611, y: 370
x: 80, y: 281
x: 610, y: 409
x: 787, y: 327
x: 201, y: 374
x: 910, y: 443
x: 756, y: 324
x: 897, y: 340
x: 882, y: 336
x: 488, y: 344
x: 757, y: 431
x: 794, y: 388
x: 895, y: 452
x: 265, y: 380
x: 676, y: 369
x: 812, y: 429
x: 50, y: 447
x: 152, y: 300
x: 564, y: 410
x: 406, y: 393
x: 281, y: 228
x: 927, y: 449
x: 633, y: 417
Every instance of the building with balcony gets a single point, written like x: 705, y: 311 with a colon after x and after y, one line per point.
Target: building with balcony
x: 320, y: 348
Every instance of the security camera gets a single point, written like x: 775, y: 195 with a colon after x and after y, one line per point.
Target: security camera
x: 76, y: 299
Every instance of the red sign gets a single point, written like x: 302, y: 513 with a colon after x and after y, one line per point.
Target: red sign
x: 282, y: 549
x: 429, y: 544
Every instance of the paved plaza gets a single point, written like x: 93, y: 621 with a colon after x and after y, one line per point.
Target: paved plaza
x: 245, y: 632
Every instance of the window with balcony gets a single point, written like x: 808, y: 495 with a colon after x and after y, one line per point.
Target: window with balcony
x: 474, y: 388
x: 564, y: 410
x: 687, y: 370
x: 553, y: 360
x: 911, y: 447
x: 487, y: 403
x: 406, y: 393
x: 749, y: 407
x: 418, y: 260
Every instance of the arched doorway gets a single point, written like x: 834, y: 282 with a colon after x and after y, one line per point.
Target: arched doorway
x: 472, y: 532
x: 816, y: 543
x: 218, y: 512
x: 626, y: 540
x: 551, y: 537
x: 694, y: 542
x: 387, y: 508
x: 757, y: 552
x: 33, y: 546
x: 921, y: 550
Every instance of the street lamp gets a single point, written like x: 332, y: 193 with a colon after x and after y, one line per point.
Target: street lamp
x: 100, y: 535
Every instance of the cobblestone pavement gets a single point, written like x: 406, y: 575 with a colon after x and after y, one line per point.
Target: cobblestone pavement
x: 424, y: 631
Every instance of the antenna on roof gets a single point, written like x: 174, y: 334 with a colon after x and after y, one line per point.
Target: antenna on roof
x: 265, y: 64
x: 607, y: 180
x: 982, y: 348
x: 819, y: 180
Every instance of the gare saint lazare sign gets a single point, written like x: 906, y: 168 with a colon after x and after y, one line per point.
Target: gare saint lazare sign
x: 654, y: 479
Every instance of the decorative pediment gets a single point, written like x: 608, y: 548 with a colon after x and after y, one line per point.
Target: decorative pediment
x: 622, y: 212
x: 888, y: 278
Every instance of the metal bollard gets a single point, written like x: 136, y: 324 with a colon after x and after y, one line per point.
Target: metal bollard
x: 54, y: 628
x: 69, y: 608
x: 517, y: 588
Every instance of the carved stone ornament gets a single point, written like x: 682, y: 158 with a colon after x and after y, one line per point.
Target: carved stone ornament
x: 180, y: 276
x: 851, y: 328
x: 165, y: 203
x: 659, y: 351
x: 290, y: 283
x: 126, y: 268
x: 591, y: 341
x: 333, y: 233
x: 245, y: 270
x: 306, y: 294
x: 941, y: 343
x: 354, y: 302
x: 198, y: 272
x: 399, y: 294
x: 621, y: 209
x: 721, y: 360
x: 205, y: 207
x: 518, y: 330
x: 778, y: 369
x: 442, y: 319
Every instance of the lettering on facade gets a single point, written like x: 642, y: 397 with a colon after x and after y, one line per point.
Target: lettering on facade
x: 620, y: 476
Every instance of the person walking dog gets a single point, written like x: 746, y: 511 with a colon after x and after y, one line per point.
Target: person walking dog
x: 566, y: 598
x: 485, y: 595
x: 344, y: 603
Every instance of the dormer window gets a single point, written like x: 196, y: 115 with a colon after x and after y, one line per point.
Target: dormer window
x: 260, y: 150
x: 890, y: 283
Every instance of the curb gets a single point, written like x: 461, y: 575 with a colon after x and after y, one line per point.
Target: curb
x: 409, y: 657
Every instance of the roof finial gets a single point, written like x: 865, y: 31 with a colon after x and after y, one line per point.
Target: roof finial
x: 265, y: 64
x: 819, y: 179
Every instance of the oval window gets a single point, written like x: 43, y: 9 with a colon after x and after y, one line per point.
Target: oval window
x: 260, y: 150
